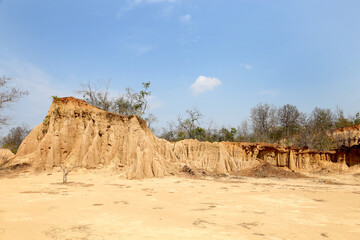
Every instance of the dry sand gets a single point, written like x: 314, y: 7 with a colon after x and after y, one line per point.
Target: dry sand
x: 94, y: 205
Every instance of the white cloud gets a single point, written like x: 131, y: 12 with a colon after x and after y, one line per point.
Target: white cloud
x: 186, y: 18
x: 204, y: 84
x: 247, y: 66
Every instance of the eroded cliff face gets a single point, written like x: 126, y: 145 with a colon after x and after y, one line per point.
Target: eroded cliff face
x: 292, y: 157
x: 74, y: 132
x: 346, y: 137
x: 5, y: 154
x: 347, y: 142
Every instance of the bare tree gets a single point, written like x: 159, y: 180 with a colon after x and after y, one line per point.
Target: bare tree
x: 169, y: 132
x: 129, y: 103
x: 322, y: 118
x: 314, y: 129
x: 142, y: 97
x: 66, y: 172
x: 8, y: 95
x: 244, y: 131
x: 190, y: 123
x: 288, y: 118
x: 263, y: 120
x: 93, y: 95
x: 150, y: 119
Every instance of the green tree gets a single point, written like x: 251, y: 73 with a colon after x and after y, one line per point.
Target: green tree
x: 181, y: 136
x: 15, y: 137
x: 132, y: 102
x: 227, y: 135
x: 199, y: 133
x: 341, y: 120
x: 288, y: 118
x: 94, y: 95
x: 129, y: 103
x: 356, y: 119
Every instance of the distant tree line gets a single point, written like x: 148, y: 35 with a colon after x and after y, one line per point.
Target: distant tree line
x: 8, y: 95
x: 15, y: 137
x: 284, y: 125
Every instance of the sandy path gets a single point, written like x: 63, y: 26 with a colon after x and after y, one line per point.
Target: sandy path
x: 96, y: 206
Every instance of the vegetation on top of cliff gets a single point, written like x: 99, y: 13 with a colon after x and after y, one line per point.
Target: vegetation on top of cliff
x: 284, y: 125
x: 129, y: 103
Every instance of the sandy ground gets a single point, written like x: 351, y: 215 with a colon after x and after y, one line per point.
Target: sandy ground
x: 98, y: 206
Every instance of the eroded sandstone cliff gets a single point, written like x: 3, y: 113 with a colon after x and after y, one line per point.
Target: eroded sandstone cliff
x: 5, y: 154
x: 347, y: 142
x: 76, y: 133
x: 346, y: 136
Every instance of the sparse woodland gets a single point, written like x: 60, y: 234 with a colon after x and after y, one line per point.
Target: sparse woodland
x: 285, y: 125
x: 14, y: 138
x: 9, y: 95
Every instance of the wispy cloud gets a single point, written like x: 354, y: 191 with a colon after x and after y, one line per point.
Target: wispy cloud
x: 247, y: 66
x: 167, y: 11
x: 132, y: 4
x: 122, y: 11
x: 141, y: 49
x: 152, y: 1
x: 32, y: 108
x: 269, y: 92
x: 188, y: 39
x: 186, y: 18
x: 204, y: 84
x: 98, y: 14
x: 32, y: 78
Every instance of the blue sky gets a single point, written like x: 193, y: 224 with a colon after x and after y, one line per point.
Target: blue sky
x: 222, y: 56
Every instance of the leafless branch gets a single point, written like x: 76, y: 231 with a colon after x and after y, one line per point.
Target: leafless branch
x: 66, y: 172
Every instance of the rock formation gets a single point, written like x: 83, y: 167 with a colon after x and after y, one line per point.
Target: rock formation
x: 347, y: 142
x: 346, y: 136
x: 74, y: 132
x: 5, y: 154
